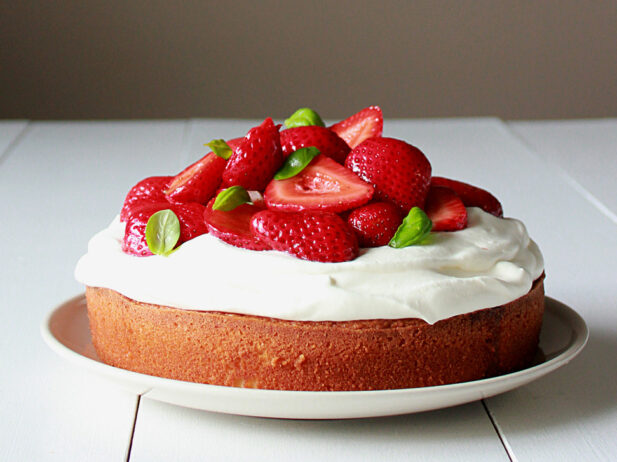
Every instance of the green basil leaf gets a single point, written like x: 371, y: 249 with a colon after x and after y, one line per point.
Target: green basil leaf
x: 162, y: 232
x: 230, y: 198
x: 415, y: 228
x: 303, y: 117
x: 296, y: 162
x: 220, y: 148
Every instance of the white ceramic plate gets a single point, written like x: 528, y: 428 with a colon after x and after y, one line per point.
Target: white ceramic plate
x: 563, y: 336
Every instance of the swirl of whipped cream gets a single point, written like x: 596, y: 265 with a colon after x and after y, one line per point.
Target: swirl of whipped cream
x: 491, y: 262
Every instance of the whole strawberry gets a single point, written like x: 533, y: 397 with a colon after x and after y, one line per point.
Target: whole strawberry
x: 314, y: 236
x: 328, y: 142
x: 375, y: 224
x: 191, y: 219
x: 148, y: 191
x: 400, y: 172
x: 197, y: 182
x: 255, y: 159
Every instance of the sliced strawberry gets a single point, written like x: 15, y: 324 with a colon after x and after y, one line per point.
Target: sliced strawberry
x: 234, y: 226
x: 234, y: 143
x: 314, y: 236
x: 445, y: 209
x: 197, y: 182
x: 363, y: 125
x: 375, y: 224
x: 255, y: 159
x: 400, y: 172
x: 147, y: 191
x: 472, y: 196
x: 328, y: 142
x: 322, y: 185
x: 191, y: 219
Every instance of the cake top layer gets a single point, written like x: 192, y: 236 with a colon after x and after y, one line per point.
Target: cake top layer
x: 491, y: 262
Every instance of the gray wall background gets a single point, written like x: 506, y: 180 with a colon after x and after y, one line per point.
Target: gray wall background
x: 159, y: 59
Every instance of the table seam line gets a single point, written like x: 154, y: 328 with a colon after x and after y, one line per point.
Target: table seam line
x: 14, y: 142
x: 502, y: 438
x: 130, y: 446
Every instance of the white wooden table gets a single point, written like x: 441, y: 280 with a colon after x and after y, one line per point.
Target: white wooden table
x: 61, y: 182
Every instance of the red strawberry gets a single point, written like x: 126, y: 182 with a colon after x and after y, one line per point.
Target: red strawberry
x: 375, y: 224
x: 363, y: 125
x: 191, y: 219
x: 328, y: 142
x: 400, y: 173
x: 472, y: 196
x: 445, y: 209
x: 198, y: 182
x: 256, y: 159
x: 147, y: 191
x: 234, y: 143
x: 314, y: 236
x: 234, y: 226
x: 322, y: 185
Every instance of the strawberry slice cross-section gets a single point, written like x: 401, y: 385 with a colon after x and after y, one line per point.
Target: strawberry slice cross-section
x: 445, y: 209
x: 197, y: 182
x: 363, y: 125
x: 323, y: 185
x: 234, y: 226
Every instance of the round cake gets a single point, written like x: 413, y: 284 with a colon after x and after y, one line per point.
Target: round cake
x: 314, y: 258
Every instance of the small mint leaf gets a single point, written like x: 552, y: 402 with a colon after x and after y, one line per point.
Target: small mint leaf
x: 162, y: 232
x: 220, y: 148
x: 415, y: 228
x: 230, y: 198
x: 296, y: 162
x: 303, y: 117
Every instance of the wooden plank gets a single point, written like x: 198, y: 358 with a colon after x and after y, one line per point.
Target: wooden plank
x: 171, y: 433
x: 586, y: 151
x: 570, y: 415
x: 58, y: 185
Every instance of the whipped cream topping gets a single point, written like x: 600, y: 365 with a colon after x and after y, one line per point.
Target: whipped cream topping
x: 491, y: 262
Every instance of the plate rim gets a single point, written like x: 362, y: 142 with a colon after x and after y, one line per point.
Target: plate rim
x: 580, y: 336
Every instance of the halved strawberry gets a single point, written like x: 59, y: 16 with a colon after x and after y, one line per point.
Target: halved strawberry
x: 314, y: 236
x: 472, y: 196
x: 445, y: 209
x: 147, y: 191
x: 255, y: 159
x: 191, y: 219
x: 322, y: 185
x: 234, y: 226
x: 197, y: 182
x: 363, y: 125
x: 375, y: 224
x: 328, y: 142
x: 234, y: 143
x: 399, y: 171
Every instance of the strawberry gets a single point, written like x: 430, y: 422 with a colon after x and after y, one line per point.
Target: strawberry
x: 322, y: 185
x: 375, y: 224
x: 400, y: 173
x: 198, y: 182
x: 147, y: 191
x: 234, y: 143
x: 234, y: 226
x: 445, y: 209
x: 472, y: 196
x: 314, y: 236
x: 256, y: 158
x: 365, y: 124
x: 191, y: 219
x: 328, y: 142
